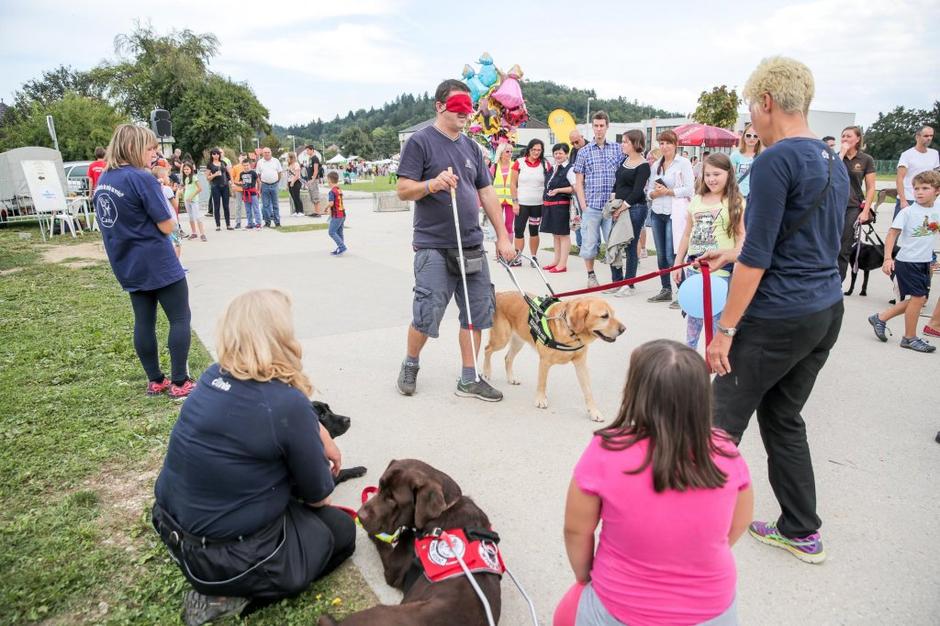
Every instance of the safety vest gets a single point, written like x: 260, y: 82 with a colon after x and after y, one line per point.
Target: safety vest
x: 438, y: 557
x: 501, y: 186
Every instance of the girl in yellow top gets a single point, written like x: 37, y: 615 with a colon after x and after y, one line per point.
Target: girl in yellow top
x: 715, y: 222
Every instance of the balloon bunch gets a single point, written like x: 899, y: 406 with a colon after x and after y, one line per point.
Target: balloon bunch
x: 497, y: 97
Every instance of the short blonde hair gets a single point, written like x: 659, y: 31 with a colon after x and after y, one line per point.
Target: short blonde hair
x: 127, y: 146
x: 504, y: 146
x: 255, y: 339
x: 928, y: 177
x: 789, y: 82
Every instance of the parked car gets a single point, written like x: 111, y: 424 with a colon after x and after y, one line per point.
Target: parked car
x: 76, y: 177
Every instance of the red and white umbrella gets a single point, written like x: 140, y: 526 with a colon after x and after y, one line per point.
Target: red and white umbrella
x: 705, y: 136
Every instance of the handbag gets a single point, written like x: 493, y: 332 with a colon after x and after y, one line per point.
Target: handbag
x: 472, y: 260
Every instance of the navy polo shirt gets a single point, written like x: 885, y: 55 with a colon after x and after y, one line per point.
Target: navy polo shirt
x: 425, y: 155
x: 128, y: 205
x: 802, y: 273
x: 236, y: 453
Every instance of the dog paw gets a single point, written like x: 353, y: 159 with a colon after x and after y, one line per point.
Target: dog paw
x: 513, y: 381
x: 595, y: 415
x: 541, y: 403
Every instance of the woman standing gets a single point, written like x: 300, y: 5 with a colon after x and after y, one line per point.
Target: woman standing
x: 528, y: 188
x: 219, y: 178
x: 135, y: 222
x: 556, y: 203
x: 670, y: 181
x: 242, y: 501
x: 749, y: 147
x: 293, y: 184
x: 630, y: 185
x: 502, y: 175
x: 861, y: 168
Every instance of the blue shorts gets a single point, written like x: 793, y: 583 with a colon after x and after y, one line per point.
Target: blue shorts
x: 435, y: 286
x: 913, y: 279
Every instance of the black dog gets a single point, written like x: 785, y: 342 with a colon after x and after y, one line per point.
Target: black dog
x: 869, y: 251
x: 336, y: 425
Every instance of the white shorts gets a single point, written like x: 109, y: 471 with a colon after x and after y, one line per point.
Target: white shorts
x: 192, y: 208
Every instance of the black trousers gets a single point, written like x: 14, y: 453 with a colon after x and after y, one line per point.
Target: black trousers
x: 297, y: 205
x: 219, y: 197
x: 174, y: 298
x: 774, y: 363
x: 278, y: 561
x: 848, y: 238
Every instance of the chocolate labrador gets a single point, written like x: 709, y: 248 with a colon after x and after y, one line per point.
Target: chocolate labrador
x: 336, y: 425
x: 419, y: 498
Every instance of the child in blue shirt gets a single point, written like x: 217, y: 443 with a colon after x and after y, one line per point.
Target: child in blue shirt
x: 916, y: 230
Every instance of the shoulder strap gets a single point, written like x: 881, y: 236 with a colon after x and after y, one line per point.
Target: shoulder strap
x: 809, y: 212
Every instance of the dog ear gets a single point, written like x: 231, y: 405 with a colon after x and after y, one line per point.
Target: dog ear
x: 429, y: 503
x: 577, y: 315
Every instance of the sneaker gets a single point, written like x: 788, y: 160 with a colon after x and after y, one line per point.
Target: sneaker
x: 592, y: 281
x: 808, y: 549
x: 267, y: 224
x: 238, y: 226
x: 199, y: 609
x: 930, y: 331
x: 665, y: 295
x: 218, y: 228
x: 625, y: 292
x: 408, y: 379
x: 194, y: 236
x: 879, y: 327
x: 178, y: 392
x: 203, y: 238
x: 229, y: 228
x: 612, y: 291
x: 674, y: 305
x: 917, y: 344
x: 480, y: 389
x: 155, y: 388
x: 516, y: 262
x: 341, y: 250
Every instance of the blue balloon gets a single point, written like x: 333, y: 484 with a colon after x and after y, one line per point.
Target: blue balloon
x: 692, y: 292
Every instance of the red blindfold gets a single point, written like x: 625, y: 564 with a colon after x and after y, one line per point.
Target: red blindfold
x: 459, y: 103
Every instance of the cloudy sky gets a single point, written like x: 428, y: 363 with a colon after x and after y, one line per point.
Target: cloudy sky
x: 316, y: 59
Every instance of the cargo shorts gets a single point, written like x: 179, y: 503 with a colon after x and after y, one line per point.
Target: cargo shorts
x: 435, y: 286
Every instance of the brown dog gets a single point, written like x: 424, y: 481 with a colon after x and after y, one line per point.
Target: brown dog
x: 573, y: 322
x: 414, y: 495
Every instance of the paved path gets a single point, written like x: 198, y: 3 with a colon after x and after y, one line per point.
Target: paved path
x: 871, y: 422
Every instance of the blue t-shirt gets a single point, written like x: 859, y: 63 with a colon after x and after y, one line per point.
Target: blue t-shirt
x: 802, y: 274
x: 741, y: 166
x: 235, y: 454
x: 128, y: 205
x: 425, y: 155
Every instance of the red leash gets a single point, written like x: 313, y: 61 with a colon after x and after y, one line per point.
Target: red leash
x: 706, y: 296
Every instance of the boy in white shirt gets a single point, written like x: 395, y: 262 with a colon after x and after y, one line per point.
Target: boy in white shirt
x: 918, y: 227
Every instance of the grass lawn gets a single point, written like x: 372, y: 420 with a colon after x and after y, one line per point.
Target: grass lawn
x: 299, y: 228
x: 82, y: 446
x: 381, y: 183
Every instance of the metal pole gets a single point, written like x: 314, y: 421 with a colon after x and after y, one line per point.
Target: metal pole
x: 50, y: 124
x: 240, y: 149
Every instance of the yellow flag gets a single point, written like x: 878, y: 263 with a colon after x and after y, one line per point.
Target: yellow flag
x: 561, y: 123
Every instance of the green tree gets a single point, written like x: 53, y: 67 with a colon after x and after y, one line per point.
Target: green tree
x: 271, y: 141
x: 385, y: 140
x: 82, y: 123
x: 216, y: 111
x: 718, y: 107
x: 893, y: 132
x: 355, y: 141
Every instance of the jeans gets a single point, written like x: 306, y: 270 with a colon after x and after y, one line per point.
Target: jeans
x: 220, y: 199
x: 774, y: 367
x: 269, y: 208
x: 336, y: 231
x: 174, y: 298
x: 239, y: 208
x: 638, y: 219
x: 253, y: 211
x: 662, y: 237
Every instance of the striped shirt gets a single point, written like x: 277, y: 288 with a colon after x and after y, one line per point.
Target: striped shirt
x: 599, y: 166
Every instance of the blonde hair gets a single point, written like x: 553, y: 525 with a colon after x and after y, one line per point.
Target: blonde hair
x: 500, y: 149
x: 127, y: 146
x: 255, y: 339
x: 927, y: 177
x: 159, y: 172
x: 789, y: 82
x: 742, y: 146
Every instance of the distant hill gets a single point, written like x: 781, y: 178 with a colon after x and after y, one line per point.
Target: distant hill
x: 381, y: 125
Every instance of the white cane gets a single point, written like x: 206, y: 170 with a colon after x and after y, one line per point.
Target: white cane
x: 463, y: 277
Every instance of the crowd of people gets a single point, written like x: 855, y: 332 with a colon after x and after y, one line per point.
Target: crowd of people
x: 242, y: 501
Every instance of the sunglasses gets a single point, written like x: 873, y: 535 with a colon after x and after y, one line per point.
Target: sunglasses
x: 750, y: 136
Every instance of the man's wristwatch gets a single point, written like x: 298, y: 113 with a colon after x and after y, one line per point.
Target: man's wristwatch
x: 727, y: 332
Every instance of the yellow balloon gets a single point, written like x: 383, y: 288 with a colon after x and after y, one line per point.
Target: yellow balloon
x: 561, y: 123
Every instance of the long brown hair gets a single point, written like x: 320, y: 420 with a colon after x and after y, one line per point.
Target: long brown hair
x: 667, y: 401
x: 731, y: 193
x: 669, y: 137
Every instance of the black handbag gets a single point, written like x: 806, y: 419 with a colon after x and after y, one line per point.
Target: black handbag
x: 472, y: 258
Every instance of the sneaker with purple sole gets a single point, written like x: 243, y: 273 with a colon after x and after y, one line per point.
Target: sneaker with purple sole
x: 808, y: 549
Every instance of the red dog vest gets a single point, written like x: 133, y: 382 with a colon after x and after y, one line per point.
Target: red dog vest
x: 439, y: 562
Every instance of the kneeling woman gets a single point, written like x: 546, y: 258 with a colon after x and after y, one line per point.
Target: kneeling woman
x: 242, y: 499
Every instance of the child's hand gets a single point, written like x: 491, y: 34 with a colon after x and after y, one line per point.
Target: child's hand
x: 888, y: 266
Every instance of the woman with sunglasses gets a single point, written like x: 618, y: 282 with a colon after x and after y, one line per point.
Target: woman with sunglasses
x: 749, y: 147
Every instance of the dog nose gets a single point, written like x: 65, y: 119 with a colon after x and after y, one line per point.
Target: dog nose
x: 621, y: 329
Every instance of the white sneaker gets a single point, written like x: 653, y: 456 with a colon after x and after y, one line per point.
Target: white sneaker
x: 625, y: 292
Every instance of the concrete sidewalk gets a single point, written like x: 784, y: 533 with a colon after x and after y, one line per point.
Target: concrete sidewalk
x: 871, y: 421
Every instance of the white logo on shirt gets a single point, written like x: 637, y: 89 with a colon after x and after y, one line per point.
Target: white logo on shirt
x: 105, y: 210
x: 468, y: 164
x: 219, y: 383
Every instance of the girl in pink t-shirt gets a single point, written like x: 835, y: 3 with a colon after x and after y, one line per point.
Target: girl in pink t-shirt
x: 673, y: 494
